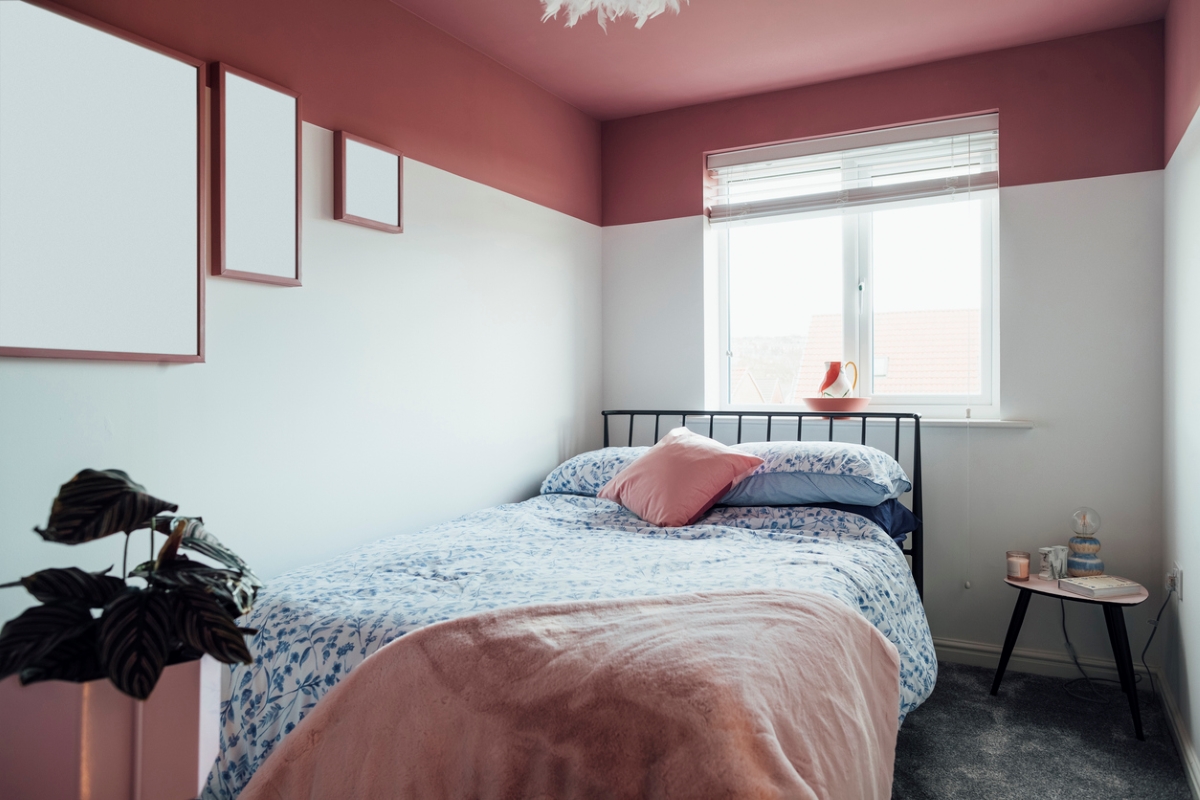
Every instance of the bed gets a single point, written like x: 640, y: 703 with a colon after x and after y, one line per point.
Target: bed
x: 318, y: 624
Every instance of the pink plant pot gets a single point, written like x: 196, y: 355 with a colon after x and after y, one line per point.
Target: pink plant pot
x: 87, y: 741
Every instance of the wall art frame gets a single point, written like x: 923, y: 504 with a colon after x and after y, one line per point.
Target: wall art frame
x: 362, y: 183
x: 258, y: 208
x: 109, y: 288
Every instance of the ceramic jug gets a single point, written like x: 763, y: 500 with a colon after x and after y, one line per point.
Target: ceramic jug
x: 835, y: 383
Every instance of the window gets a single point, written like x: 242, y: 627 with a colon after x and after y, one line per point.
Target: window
x: 877, y: 248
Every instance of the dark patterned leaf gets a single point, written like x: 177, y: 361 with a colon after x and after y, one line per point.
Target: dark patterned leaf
x: 135, y: 639
x: 229, y: 588
x: 183, y: 654
x: 97, y: 503
x: 197, y: 538
x: 236, y: 587
x: 71, y: 584
x: 203, y: 624
x: 73, y: 659
x: 36, y: 631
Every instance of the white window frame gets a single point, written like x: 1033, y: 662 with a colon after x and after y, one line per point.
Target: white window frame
x: 857, y: 335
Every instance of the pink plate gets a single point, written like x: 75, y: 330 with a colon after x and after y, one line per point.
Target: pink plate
x: 837, y: 403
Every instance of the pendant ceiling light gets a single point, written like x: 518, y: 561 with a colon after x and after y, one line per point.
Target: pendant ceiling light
x: 608, y: 9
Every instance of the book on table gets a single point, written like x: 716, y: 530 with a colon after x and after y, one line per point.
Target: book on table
x: 1099, y: 586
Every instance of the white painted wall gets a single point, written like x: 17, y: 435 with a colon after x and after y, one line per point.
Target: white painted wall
x: 412, y: 378
x: 654, y: 314
x: 1182, y: 428
x: 1081, y: 344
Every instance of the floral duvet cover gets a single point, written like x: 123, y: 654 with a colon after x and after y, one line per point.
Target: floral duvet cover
x: 318, y: 623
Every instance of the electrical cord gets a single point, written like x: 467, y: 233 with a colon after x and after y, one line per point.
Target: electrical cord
x: 1069, y: 686
x: 1096, y: 696
x: 1154, y: 630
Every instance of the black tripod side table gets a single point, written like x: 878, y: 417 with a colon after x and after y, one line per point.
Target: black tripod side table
x: 1114, y: 618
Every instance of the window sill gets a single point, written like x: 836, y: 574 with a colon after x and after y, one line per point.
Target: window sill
x: 1014, y: 424
x: 929, y: 418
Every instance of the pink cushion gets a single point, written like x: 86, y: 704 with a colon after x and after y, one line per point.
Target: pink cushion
x: 679, y: 479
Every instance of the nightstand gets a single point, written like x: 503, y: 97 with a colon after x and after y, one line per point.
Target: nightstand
x: 1114, y: 619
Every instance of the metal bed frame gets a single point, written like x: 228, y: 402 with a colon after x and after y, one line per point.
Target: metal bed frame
x: 916, y: 540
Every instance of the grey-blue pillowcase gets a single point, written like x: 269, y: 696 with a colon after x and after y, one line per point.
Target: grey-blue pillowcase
x: 803, y: 488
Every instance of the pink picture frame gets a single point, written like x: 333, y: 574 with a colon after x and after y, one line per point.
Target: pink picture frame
x: 340, y: 138
x: 217, y: 73
x: 202, y: 187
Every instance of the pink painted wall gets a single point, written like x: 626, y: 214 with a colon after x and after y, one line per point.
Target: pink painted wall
x: 369, y: 67
x: 1183, y: 69
x: 1071, y: 108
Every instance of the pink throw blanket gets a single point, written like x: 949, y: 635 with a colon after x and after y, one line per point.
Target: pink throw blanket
x: 756, y: 694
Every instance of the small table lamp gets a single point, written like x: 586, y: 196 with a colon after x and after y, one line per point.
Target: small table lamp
x: 1083, y: 560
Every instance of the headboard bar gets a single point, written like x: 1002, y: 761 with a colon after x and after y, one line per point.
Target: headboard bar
x: 916, y: 541
x: 916, y: 549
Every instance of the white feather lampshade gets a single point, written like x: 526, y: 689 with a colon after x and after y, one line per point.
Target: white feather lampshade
x: 608, y: 9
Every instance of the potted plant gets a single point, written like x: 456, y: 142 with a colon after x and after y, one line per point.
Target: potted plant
x: 73, y: 734
x: 171, y: 609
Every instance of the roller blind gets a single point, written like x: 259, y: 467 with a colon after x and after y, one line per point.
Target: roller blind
x: 944, y: 159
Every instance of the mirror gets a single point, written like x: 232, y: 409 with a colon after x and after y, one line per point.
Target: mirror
x: 101, y: 182
x: 368, y: 183
x: 256, y: 178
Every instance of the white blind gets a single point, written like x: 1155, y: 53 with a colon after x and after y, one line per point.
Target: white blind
x: 937, y: 159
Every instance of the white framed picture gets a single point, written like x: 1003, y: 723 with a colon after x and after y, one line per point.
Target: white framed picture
x: 368, y: 183
x: 102, y: 191
x: 256, y: 178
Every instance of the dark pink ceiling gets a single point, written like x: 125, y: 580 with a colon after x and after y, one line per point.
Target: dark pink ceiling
x: 716, y: 49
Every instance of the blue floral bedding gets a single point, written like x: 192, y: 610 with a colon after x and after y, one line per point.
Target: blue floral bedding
x: 318, y: 623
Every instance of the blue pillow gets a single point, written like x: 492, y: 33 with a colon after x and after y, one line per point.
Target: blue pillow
x: 801, y: 473
x: 891, y: 515
x: 587, y: 473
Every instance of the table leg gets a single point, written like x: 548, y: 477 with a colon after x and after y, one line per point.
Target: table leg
x: 1113, y: 638
x: 1010, y: 641
x: 1115, y: 615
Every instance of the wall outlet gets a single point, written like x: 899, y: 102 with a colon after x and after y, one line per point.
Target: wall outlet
x: 1175, y: 581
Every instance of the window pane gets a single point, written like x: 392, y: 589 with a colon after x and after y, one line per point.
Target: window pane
x: 926, y: 263
x: 785, y: 308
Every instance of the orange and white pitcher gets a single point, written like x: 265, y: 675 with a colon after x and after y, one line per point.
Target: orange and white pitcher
x: 835, y: 383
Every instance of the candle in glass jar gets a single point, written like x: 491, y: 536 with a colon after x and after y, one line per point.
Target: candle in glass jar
x: 1018, y: 565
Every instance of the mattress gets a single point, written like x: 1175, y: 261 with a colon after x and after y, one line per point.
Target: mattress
x: 320, y: 622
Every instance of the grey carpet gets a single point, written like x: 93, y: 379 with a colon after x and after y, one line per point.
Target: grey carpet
x: 1032, y: 741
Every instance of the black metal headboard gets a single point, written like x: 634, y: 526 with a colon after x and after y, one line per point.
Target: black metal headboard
x: 794, y: 421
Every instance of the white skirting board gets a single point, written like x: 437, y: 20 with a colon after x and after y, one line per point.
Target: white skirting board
x: 1059, y: 665
x: 1038, y: 662
x: 1179, y: 732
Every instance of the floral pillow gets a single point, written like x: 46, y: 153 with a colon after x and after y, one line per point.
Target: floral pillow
x: 587, y: 473
x: 797, y: 473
